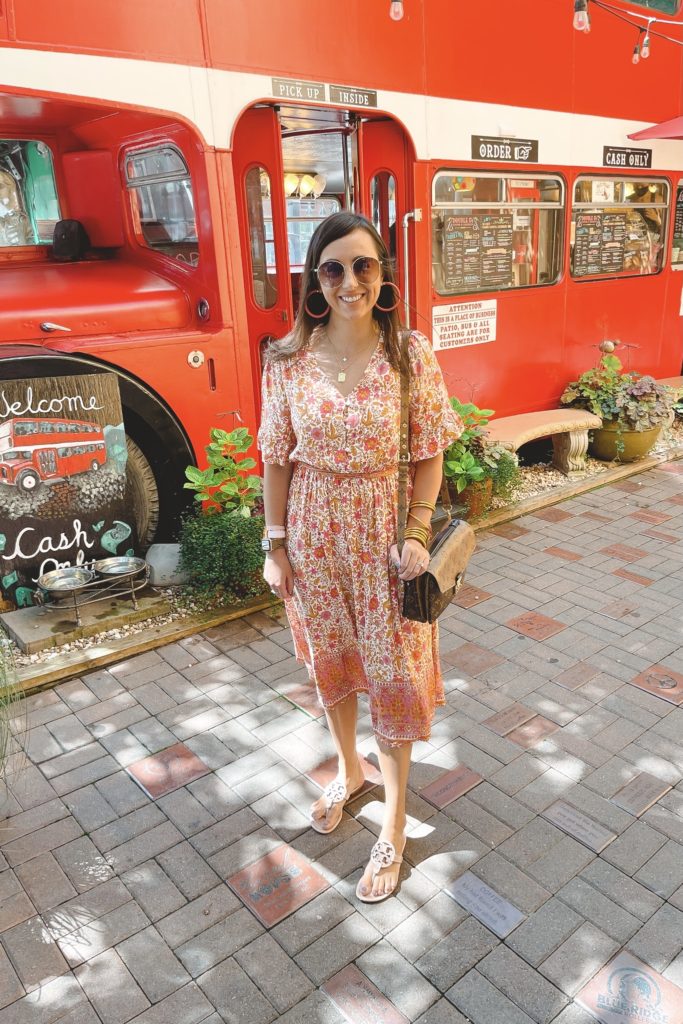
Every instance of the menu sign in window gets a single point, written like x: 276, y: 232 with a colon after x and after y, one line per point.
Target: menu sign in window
x: 496, y: 257
x: 677, y: 244
x: 599, y: 243
x: 477, y: 251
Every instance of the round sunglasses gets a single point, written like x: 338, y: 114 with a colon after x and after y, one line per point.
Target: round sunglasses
x: 365, y: 269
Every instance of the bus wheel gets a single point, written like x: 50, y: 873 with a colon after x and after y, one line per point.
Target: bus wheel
x: 28, y: 480
x: 143, y: 493
x: 94, y: 465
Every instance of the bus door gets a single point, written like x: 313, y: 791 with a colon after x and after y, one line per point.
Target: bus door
x: 47, y: 462
x: 382, y: 164
x: 257, y: 161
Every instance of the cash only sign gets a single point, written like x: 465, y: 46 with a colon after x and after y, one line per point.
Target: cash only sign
x: 62, y: 478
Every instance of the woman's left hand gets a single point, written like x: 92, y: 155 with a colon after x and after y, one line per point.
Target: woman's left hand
x: 412, y: 562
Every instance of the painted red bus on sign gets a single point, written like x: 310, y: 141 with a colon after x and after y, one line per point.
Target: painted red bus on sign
x: 44, y: 450
x: 200, y: 142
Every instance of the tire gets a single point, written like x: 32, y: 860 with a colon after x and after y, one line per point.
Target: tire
x: 28, y: 480
x: 143, y: 494
x: 94, y: 465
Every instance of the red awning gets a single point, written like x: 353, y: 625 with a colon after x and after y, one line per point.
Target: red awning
x: 672, y: 129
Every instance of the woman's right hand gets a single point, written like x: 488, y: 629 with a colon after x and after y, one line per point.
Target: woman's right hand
x: 278, y: 574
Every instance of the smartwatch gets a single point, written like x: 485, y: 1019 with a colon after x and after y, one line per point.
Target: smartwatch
x: 272, y: 543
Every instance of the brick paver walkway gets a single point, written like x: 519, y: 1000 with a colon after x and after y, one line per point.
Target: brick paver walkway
x: 115, y: 908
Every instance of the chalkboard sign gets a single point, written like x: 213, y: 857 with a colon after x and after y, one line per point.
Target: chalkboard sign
x: 62, y: 478
x: 601, y: 241
x: 588, y: 244
x: 678, y: 213
x: 477, y: 252
x: 677, y: 243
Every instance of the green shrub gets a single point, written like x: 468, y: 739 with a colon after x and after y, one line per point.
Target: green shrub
x: 222, y: 552
x: 507, y: 476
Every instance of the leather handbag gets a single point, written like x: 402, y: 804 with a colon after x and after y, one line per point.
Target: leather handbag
x: 429, y: 594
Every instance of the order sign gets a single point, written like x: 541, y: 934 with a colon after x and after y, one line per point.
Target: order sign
x: 464, y: 323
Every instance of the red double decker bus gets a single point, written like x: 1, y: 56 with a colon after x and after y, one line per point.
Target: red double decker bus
x: 505, y: 157
x: 44, y: 450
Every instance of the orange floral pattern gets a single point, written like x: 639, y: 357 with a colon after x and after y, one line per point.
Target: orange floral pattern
x: 345, y: 613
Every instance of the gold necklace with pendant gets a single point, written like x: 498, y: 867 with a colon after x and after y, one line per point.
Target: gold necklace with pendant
x: 345, y: 363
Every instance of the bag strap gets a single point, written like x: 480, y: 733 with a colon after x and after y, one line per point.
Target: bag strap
x: 404, y: 450
x: 404, y: 442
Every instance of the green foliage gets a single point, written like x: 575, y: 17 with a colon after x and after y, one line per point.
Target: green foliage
x: 472, y: 458
x: 222, y: 552
x: 507, y: 475
x: 224, y: 485
x: 635, y: 401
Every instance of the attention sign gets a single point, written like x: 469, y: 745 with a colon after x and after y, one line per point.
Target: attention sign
x: 464, y: 323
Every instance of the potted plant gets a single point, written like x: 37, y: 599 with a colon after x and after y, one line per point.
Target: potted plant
x: 633, y: 407
x: 220, y: 544
x: 474, y: 468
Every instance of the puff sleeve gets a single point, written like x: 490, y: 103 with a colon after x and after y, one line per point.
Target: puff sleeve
x: 276, y: 437
x: 433, y: 423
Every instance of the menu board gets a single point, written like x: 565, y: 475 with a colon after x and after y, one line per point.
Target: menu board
x: 599, y: 243
x: 477, y: 252
x: 587, y: 244
x: 677, y: 244
x: 678, y: 213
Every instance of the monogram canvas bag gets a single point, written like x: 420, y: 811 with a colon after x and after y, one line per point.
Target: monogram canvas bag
x: 429, y: 594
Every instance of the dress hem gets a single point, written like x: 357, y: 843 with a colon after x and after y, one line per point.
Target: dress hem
x: 395, y: 741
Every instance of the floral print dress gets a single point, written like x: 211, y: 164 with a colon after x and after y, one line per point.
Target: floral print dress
x: 341, y: 521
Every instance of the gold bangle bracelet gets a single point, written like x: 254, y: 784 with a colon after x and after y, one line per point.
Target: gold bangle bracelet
x: 420, y: 535
x: 423, y: 504
x: 417, y: 519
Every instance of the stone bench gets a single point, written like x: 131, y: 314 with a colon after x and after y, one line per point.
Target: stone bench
x: 567, y: 427
x: 675, y: 383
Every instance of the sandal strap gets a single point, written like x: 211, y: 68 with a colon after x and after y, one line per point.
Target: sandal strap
x: 334, y: 793
x: 383, y: 854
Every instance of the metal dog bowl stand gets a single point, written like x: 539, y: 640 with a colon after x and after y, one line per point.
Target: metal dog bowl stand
x: 120, y: 576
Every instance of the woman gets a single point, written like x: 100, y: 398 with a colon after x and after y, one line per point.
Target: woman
x: 329, y: 439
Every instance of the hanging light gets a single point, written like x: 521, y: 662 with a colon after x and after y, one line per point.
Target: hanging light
x: 636, y: 54
x: 396, y: 10
x: 306, y: 185
x: 291, y: 183
x: 581, y: 20
x: 320, y: 184
x: 645, y: 45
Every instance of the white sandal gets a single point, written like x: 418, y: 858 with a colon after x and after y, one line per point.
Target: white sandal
x: 335, y: 796
x: 382, y: 855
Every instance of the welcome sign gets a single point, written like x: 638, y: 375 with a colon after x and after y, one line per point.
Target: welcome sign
x: 62, y: 478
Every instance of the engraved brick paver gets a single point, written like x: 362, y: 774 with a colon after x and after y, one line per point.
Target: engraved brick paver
x: 549, y: 801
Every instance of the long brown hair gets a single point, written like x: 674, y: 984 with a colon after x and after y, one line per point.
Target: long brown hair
x: 336, y: 226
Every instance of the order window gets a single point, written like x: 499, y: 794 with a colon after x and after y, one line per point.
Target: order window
x: 495, y: 231
x: 163, y: 203
x: 618, y: 226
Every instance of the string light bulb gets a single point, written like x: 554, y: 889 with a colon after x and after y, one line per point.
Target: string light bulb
x: 396, y: 10
x: 581, y: 20
x: 636, y: 54
x: 645, y: 45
